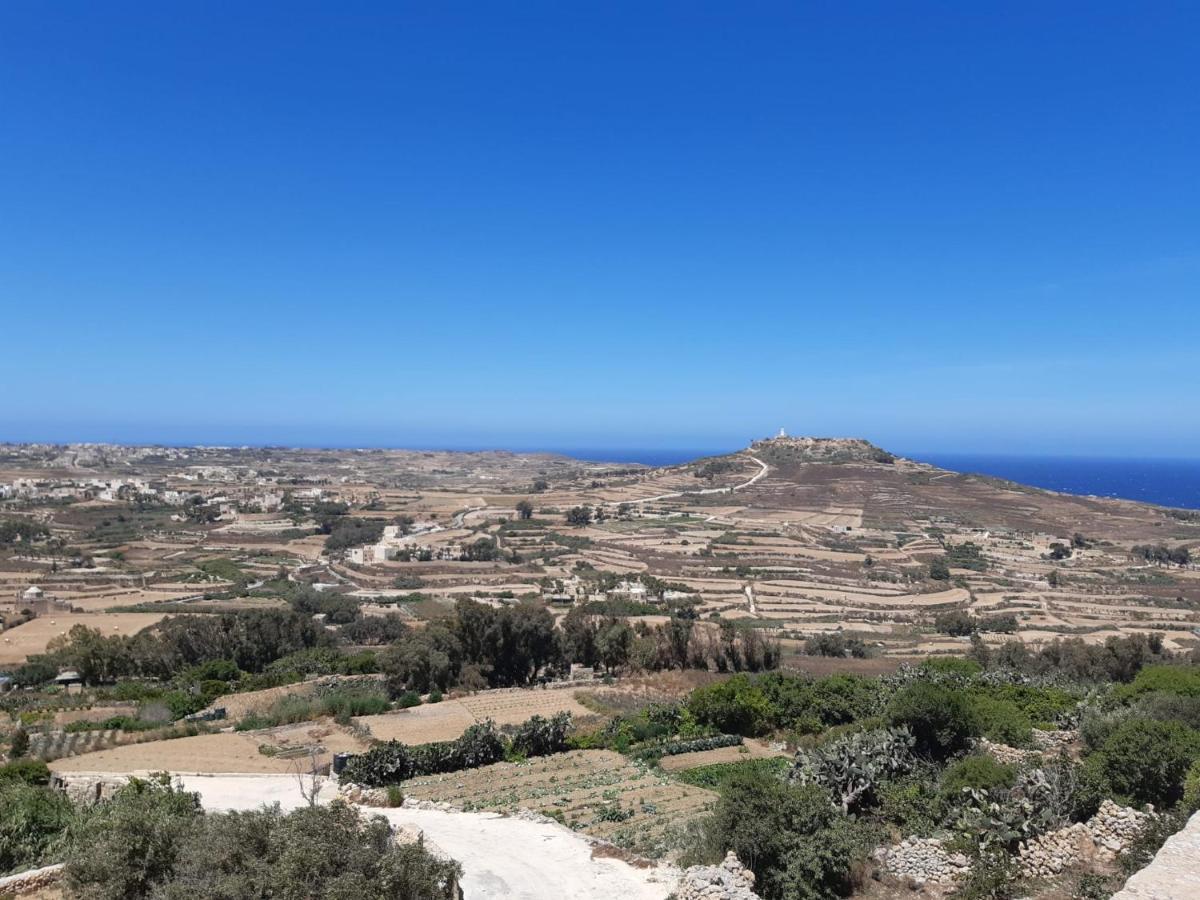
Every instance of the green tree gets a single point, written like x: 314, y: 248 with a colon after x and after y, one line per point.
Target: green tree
x: 524, y: 509
x: 20, y: 743
x: 579, y: 516
x: 614, y: 643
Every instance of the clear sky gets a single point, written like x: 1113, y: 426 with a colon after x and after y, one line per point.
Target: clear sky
x: 940, y: 226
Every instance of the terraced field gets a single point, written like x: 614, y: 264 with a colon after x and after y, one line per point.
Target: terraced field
x: 598, y: 792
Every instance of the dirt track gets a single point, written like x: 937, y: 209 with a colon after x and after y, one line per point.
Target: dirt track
x: 502, y: 857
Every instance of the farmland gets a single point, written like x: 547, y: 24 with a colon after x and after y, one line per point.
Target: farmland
x: 598, y: 792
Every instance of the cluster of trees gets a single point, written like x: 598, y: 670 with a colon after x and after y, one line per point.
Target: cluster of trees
x: 478, y: 646
x: 835, y: 643
x: 1161, y: 554
x: 484, y: 646
x: 249, y: 639
x: 352, y: 531
x: 1117, y: 659
x: 681, y: 642
x: 151, y: 840
x: 961, y: 623
x: 24, y: 531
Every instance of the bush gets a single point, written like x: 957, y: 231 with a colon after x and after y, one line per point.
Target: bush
x: 912, y: 804
x: 1003, y: 721
x: 1146, y: 761
x: 795, y: 842
x: 29, y: 771
x: 733, y: 706
x: 954, y: 666
x: 941, y: 720
x: 981, y: 772
x: 127, y: 845
x: 715, y: 775
x: 542, y: 737
x: 479, y: 745
x: 323, y: 851
x: 1183, y: 681
x: 32, y: 822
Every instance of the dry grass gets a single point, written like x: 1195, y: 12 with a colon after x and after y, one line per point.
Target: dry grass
x: 17, y: 644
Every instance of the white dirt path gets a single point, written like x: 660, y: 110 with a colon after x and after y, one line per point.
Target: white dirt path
x: 502, y: 857
x: 718, y: 490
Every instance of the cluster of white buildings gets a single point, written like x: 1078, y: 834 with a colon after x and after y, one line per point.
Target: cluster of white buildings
x: 394, y: 544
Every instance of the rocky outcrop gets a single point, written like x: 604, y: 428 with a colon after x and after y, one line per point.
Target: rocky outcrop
x: 1173, y: 874
x: 728, y: 881
x: 923, y: 860
x: 1103, y: 837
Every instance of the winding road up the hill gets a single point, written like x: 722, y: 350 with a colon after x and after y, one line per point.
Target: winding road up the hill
x: 719, y: 490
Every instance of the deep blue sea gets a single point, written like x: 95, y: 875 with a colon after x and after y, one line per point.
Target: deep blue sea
x: 1167, y: 482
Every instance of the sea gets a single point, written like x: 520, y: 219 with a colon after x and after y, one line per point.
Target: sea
x: 1166, y: 482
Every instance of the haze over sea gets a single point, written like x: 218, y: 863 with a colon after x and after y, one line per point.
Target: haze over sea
x: 1167, y: 482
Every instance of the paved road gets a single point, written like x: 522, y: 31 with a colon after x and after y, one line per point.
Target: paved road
x: 721, y: 490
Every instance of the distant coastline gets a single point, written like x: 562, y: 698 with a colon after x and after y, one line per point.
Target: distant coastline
x: 1166, y: 482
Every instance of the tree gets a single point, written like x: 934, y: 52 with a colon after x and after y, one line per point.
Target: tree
x: 20, y: 743
x: 482, y: 550
x: 614, y: 644
x: 427, y: 659
x: 938, y: 570
x: 579, y: 516
x: 524, y: 509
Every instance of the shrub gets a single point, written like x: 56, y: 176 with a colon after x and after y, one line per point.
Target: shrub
x: 941, y: 721
x: 1003, y: 721
x: 20, y: 743
x: 1183, y: 681
x: 127, y: 845
x: 715, y: 775
x: 1146, y: 761
x: 394, y: 762
x: 322, y: 851
x: 733, y: 706
x: 793, y: 840
x: 32, y: 822
x: 911, y: 804
x: 981, y: 772
x: 952, y: 666
x: 29, y: 771
x: 542, y: 737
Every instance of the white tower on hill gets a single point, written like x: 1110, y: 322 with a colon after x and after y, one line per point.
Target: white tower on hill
x: 782, y: 433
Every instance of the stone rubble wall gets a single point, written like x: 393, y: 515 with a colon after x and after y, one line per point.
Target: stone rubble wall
x: 923, y: 860
x: 1174, y: 873
x: 728, y: 881
x: 1103, y: 837
x: 32, y: 881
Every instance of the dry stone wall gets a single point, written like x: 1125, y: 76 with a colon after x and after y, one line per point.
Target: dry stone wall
x: 728, y: 881
x: 31, y: 882
x: 1105, y: 835
x: 923, y: 860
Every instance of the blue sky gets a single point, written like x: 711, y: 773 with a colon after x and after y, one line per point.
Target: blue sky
x: 940, y: 226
